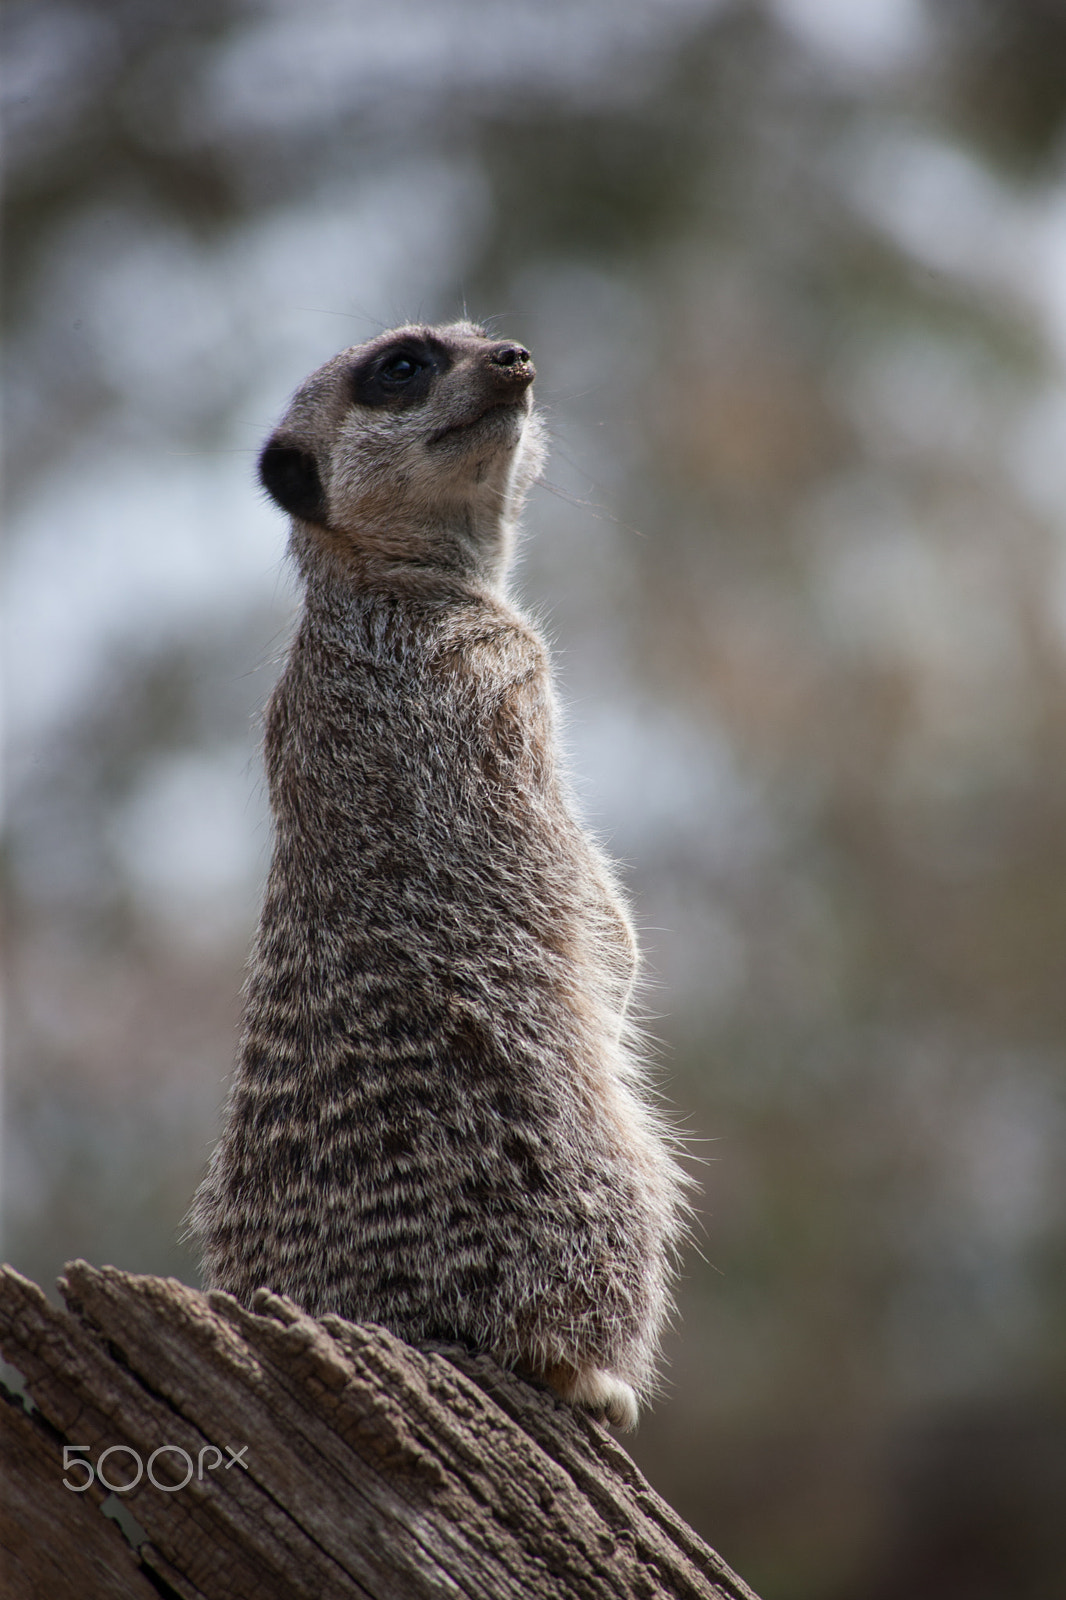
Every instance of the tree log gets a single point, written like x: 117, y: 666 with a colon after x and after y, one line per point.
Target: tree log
x: 263, y: 1454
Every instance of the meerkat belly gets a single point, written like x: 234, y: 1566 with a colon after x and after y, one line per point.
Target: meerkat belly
x: 421, y: 1144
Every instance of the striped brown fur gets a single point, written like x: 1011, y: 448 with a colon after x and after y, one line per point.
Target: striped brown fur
x: 437, y: 1120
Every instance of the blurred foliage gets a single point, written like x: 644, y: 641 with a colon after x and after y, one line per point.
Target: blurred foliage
x: 795, y: 304
x: 1005, y: 81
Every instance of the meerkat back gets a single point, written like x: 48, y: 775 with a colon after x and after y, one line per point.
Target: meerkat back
x: 437, y: 1119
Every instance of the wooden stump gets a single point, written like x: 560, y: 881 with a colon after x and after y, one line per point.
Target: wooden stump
x: 271, y: 1456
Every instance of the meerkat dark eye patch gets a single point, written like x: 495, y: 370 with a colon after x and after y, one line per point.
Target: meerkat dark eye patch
x: 290, y: 476
x: 401, y: 375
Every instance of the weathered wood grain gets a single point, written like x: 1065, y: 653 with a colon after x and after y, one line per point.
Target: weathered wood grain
x: 365, y: 1468
x: 35, y: 1506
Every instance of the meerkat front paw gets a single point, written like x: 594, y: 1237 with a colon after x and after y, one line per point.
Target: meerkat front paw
x: 594, y: 1389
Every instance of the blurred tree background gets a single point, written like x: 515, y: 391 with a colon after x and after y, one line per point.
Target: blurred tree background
x: 794, y: 276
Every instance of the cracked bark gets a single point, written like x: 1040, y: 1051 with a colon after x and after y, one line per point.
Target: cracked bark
x: 364, y: 1467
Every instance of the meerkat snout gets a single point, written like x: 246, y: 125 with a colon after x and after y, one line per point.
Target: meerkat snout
x: 499, y: 379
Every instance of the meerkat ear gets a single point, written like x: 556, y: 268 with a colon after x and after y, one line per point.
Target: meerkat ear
x: 290, y: 476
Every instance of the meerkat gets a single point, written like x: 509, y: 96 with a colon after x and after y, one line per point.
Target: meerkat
x: 438, y: 1119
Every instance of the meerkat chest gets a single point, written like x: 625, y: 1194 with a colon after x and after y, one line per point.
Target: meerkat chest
x: 439, y: 730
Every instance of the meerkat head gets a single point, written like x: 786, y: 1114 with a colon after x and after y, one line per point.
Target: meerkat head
x: 417, y: 447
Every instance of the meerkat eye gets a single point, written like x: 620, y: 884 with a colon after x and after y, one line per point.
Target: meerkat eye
x: 401, y: 369
x: 398, y: 377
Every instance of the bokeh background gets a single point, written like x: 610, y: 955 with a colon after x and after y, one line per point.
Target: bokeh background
x: 794, y: 277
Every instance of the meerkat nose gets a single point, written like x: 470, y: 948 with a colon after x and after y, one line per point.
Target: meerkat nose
x: 508, y: 355
x: 512, y: 365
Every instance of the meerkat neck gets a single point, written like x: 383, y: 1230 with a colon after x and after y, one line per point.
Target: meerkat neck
x: 459, y: 552
x: 333, y: 587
